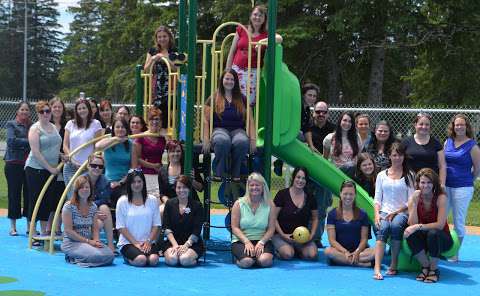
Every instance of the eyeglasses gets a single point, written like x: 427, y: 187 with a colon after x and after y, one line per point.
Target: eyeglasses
x: 135, y: 170
x: 155, y: 119
x: 45, y: 111
x: 321, y: 112
x: 97, y: 166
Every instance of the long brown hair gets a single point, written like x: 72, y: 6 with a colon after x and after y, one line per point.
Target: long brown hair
x: 79, y: 182
x: 263, y: 10
x: 171, y: 42
x: 78, y: 120
x: 237, y: 98
x: 468, y: 126
x: 433, y: 177
x: 356, y: 210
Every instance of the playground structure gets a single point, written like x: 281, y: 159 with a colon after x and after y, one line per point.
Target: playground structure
x: 277, y: 115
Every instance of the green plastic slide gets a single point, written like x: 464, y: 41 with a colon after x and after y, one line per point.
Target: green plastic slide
x: 286, y: 126
x: 286, y: 146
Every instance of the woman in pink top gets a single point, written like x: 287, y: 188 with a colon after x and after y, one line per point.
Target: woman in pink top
x: 150, y: 150
x: 238, y: 55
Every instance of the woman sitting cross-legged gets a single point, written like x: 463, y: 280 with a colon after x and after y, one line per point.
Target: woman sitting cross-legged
x: 81, y: 244
x: 138, y: 220
x: 253, y: 225
x: 182, y: 221
x: 348, y: 229
x: 428, y: 232
x: 294, y: 208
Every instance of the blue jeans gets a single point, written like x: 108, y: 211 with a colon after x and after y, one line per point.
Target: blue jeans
x: 392, y: 229
x: 227, y: 144
x: 459, y: 200
x: 323, y: 196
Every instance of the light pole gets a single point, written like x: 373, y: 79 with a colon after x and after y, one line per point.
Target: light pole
x: 25, y: 35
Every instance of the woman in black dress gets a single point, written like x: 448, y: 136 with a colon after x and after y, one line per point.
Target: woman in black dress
x: 182, y: 222
x: 164, y: 44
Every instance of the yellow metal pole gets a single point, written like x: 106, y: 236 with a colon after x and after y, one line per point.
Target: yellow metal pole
x: 37, y: 206
x: 75, y: 176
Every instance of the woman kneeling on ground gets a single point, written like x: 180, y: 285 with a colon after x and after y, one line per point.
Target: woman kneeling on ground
x: 348, y: 229
x: 138, y: 220
x: 182, y: 221
x: 294, y: 208
x: 81, y: 243
x: 428, y: 232
x: 253, y: 225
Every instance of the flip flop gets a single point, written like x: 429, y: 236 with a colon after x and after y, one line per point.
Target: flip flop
x: 378, y: 276
x: 13, y: 233
x: 432, y: 277
x: 391, y: 272
x: 423, y: 275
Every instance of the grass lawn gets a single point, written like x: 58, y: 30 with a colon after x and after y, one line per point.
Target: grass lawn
x: 473, y: 217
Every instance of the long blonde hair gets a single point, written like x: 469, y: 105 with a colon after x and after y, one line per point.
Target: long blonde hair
x: 259, y: 178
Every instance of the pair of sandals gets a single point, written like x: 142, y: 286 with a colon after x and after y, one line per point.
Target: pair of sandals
x: 428, y: 276
x: 13, y: 232
x: 390, y: 272
x: 220, y: 179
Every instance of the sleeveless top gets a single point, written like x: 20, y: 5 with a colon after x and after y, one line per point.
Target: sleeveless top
x: 459, y: 164
x: 117, y: 161
x: 230, y: 119
x: 253, y: 225
x: 425, y: 217
x: 151, y: 152
x: 80, y: 224
x: 49, y: 147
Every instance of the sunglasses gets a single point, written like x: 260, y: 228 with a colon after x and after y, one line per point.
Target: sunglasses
x: 97, y: 166
x: 135, y: 170
x: 321, y: 112
x: 45, y: 111
x: 155, y: 119
x: 424, y: 114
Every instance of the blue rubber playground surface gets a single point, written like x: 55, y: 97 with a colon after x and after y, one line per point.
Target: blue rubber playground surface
x: 36, y: 270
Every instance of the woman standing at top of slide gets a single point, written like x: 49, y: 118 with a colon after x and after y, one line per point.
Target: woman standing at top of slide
x: 238, y: 55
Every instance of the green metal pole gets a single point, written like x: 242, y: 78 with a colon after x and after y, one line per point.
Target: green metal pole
x: 182, y: 47
x: 182, y: 26
x: 272, y: 27
x: 192, y: 45
x: 138, y: 90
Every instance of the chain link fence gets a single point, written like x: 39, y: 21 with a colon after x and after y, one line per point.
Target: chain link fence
x: 400, y: 117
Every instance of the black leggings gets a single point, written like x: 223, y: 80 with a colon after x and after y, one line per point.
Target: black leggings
x: 15, y: 175
x: 433, y: 241
x: 35, y: 181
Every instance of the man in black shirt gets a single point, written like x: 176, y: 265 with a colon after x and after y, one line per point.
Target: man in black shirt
x: 314, y: 135
x: 319, y: 128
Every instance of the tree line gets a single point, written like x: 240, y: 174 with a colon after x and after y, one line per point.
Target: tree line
x: 359, y: 51
x: 44, y: 48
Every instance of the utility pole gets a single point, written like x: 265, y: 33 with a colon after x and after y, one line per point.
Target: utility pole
x: 25, y: 35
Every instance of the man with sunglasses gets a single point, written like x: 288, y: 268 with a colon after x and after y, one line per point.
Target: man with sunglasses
x: 314, y: 135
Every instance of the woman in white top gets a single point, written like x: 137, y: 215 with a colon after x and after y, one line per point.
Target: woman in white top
x: 343, y: 145
x: 138, y: 221
x: 78, y: 131
x: 392, y: 189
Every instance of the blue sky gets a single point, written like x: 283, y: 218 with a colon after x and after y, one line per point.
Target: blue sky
x: 65, y: 18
